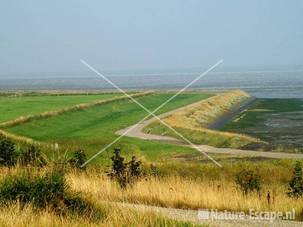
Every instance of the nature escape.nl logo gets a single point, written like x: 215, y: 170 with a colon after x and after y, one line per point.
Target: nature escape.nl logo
x: 214, y: 214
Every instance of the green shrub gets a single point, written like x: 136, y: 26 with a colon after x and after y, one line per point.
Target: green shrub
x: 119, y: 172
x: 15, y: 188
x: 8, y: 154
x: 45, y: 191
x: 124, y: 173
x: 248, y: 181
x: 49, y: 189
x: 42, y: 191
x: 296, y: 183
x: 32, y: 156
x: 78, y: 159
x: 75, y: 204
x: 134, y: 167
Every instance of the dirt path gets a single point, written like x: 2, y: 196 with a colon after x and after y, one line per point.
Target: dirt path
x: 192, y: 216
x: 137, y: 132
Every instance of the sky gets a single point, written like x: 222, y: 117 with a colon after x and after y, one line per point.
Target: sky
x: 148, y: 36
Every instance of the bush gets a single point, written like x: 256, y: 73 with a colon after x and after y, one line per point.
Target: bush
x: 134, y: 167
x: 32, y: 156
x: 76, y: 204
x: 15, y: 188
x: 8, y: 155
x: 78, y: 159
x: 119, y: 172
x: 124, y: 173
x: 44, y: 191
x: 296, y: 183
x: 248, y: 181
x: 41, y: 191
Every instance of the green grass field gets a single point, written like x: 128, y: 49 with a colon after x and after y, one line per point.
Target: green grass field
x: 12, y: 107
x: 95, y: 127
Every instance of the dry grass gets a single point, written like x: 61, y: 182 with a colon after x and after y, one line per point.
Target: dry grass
x: 177, y: 192
x: 17, y: 214
x: 113, y: 216
x: 205, y: 112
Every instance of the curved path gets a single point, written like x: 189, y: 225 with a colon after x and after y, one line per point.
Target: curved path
x: 137, y: 132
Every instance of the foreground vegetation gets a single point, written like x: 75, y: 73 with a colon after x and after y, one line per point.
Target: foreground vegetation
x: 70, y: 194
x: 36, y: 191
x: 46, y: 200
x: 190, y: 186
x: 113, y: 215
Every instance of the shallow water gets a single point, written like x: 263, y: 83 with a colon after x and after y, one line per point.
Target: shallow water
x: 280, y: 124
x: 283, y: 128
x: 260, y: 84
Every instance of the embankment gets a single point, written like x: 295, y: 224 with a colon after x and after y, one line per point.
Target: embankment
x: 194, y: 121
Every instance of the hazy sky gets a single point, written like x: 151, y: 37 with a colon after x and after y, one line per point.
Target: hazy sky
x: 51, y: 36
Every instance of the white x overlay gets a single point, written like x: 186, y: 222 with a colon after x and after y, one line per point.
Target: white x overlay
x: 152, y: 113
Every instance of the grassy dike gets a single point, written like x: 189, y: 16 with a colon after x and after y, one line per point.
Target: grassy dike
x: 192, y: 122
x: 93, y: 128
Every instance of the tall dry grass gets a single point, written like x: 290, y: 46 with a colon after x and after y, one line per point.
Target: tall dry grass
x: 113, y: 215
x: 20, y: 214
x: 178, y: 192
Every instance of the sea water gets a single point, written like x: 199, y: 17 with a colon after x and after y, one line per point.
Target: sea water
x: 261, y: 84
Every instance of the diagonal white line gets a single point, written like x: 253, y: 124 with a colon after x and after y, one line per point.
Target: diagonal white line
x: 151, y: 113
